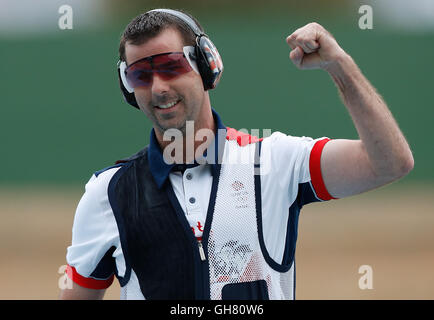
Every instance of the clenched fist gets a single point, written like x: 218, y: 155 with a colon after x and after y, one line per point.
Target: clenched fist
x: 313, y: 47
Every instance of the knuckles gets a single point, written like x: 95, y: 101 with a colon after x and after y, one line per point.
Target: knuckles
x: 302, y: 33
x: 314, y: 25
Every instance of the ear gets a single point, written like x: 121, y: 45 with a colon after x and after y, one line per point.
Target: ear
x: 190, y: 55
x: 122, y: 68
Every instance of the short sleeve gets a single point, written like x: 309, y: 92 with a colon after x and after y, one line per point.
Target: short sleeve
x: 296, y: 164
x: 95, y: 237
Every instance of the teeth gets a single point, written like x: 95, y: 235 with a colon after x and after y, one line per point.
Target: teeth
x: 165, y: 106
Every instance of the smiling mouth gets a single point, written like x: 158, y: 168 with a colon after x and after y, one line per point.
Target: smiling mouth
x: 169, y: 105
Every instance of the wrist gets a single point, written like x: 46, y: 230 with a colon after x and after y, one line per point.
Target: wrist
x: 343, y: 71
x: 340, y: 64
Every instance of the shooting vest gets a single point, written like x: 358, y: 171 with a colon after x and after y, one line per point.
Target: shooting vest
x: 231, y: 261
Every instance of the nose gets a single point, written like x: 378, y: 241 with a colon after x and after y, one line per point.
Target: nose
x: 159, y: 85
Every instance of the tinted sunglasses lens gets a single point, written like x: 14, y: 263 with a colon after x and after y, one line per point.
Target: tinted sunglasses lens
x: 139, y: 78
x: 171, y: 65
x: 139, y: 74
x: 168, y: 66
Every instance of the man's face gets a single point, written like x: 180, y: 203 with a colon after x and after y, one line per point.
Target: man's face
x: 186, y: 88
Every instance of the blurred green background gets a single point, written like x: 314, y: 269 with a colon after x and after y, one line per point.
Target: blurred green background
x: 62, y: 117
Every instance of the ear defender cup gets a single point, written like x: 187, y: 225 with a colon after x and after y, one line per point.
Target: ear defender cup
x: 127, y: 91
x: 208, y: 60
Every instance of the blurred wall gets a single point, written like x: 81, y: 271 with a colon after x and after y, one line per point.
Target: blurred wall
x: 62, y: 116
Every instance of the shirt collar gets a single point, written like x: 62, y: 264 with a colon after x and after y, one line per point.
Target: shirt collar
x: 160, y: 169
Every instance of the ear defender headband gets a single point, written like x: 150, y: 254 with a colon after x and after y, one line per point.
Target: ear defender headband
x: 203, y: 58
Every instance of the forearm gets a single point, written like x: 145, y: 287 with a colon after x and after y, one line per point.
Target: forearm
x: 386, y: 146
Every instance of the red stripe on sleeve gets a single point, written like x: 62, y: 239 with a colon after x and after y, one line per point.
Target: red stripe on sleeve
x: 88, y: 282
x: 315, y: 170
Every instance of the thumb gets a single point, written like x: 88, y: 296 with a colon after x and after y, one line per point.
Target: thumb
x: 296, y: 56
x: 311, y: 61
x: 305, y: 60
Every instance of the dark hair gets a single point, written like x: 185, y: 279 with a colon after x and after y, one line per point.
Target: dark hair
x: 150, y: 24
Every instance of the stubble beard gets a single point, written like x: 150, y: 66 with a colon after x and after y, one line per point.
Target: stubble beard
x: 190, y: 114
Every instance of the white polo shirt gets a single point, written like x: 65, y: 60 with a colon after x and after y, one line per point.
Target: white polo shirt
x: 292, y: 167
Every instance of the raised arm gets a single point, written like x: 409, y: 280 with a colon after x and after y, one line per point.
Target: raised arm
x: 382, y: 154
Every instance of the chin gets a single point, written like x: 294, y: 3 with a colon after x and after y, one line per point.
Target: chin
x: 167, y: 125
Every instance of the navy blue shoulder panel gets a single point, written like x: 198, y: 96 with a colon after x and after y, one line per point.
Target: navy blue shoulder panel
x: 97, y: 173
x: 154, y: 242
x: 106, y: 267
x: 122, y: 161
x: 306, y: 194
x: 291, y: 235
x: 120, y: 222
x: 107, y: 264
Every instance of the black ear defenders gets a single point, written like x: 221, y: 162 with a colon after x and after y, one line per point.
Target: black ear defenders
x: 203, y: 58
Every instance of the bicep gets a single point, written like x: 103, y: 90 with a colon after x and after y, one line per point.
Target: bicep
x: 346, y: 168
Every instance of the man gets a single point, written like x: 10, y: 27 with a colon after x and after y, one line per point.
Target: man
x: 206, y: 226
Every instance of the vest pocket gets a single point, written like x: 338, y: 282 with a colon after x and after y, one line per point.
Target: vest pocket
x: 254, y: 290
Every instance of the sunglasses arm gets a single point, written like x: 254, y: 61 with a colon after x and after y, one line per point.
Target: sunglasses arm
x: 189, y: 54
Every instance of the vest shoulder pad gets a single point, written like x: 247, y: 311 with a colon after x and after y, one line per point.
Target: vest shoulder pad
x: 139, y: 154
